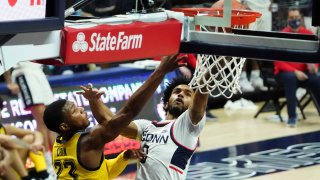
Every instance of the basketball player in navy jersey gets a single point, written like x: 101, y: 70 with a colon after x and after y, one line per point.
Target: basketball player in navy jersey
x: 170, y: 144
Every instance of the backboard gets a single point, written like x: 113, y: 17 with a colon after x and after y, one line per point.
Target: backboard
x: 270, y: 37
x: 31, y: 37
x: 53, y: 20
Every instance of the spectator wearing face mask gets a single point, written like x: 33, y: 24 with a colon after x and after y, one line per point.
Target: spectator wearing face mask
x: 293, y: 75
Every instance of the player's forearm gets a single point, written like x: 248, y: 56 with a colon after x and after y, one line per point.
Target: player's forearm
x: 143, y: 94
x: 112, y: 128
x: 198, y: 107
x: 116, y: 165
x: 100, y: 111
x: 13, y: 143
x: 199, y: 104
x: 136, y: 102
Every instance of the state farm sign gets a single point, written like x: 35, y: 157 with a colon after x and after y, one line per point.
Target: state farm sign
x: 110, y: 42
x: 114, y: 43
x: 12, y: 10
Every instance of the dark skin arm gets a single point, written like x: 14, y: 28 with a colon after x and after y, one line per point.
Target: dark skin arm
x: 200, y: 101
x: 109, y: 129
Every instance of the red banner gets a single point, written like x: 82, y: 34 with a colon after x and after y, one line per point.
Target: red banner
x: 114, y: 43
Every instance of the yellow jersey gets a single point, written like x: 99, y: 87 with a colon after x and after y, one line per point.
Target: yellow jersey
x: 2, y: 129
x: 65, y: 162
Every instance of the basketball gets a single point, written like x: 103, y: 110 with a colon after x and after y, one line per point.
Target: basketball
x: 235, y: 5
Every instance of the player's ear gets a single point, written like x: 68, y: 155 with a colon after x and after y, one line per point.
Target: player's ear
x: 64, y: 127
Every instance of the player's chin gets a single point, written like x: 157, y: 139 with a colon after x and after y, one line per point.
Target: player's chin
x: 86, y: 123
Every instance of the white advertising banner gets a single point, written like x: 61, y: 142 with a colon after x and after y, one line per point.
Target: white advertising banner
x: 13, y: 10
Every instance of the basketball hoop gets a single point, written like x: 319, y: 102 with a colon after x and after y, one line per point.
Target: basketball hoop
x: 224, y: 71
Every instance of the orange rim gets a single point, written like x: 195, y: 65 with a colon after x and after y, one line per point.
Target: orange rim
x: 238, y: 17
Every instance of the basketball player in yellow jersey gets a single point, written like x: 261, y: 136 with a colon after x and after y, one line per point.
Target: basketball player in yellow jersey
x: 77, y: 154
x: 64, y: 154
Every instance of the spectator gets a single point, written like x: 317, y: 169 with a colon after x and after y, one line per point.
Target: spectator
x: 291, y: 75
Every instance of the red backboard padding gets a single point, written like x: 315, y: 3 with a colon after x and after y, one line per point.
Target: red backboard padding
x: 116, y: 43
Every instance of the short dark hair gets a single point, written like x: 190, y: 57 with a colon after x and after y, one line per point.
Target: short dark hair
x: 53, y: 115
x: 294, y: 8
x: 171, y: 85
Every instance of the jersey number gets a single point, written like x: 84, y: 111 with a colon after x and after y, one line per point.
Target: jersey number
x: 66, y: 164
x: 145, y: 149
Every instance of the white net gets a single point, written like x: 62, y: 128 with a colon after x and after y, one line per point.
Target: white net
x: 223, y: 75
x: 223, y: 71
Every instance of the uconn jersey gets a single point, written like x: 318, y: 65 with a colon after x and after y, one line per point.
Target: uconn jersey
x: 168, y: 145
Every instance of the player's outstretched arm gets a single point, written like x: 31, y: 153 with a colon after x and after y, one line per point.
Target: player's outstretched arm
x: 199, y: 103
x: 109, y: 130
x: 198, y: 107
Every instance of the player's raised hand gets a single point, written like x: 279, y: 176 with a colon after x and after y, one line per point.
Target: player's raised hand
x: 90, y: 93
x: 170, y: 63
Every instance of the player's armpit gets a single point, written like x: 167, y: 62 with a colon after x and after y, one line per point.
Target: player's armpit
x: 131, y: 131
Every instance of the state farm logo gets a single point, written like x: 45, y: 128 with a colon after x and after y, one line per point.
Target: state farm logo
x: 109, y: 42
x: 32, y: 2
x: 80, y: 44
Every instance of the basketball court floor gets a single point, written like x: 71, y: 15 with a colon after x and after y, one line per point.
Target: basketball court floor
x: 237, y: 146
x: 241, y: 134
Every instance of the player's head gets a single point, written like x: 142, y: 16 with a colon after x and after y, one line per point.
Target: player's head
x: 64, y: 116
x: 177, y: 96
x: 294, y: 18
